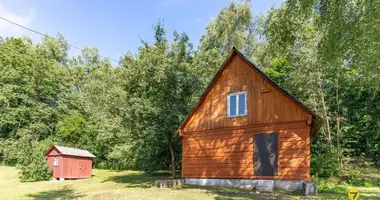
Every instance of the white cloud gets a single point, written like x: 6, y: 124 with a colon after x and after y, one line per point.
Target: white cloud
x: 23, y: 17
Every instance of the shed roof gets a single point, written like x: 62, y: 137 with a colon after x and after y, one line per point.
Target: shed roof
x: 72, y: 151
x: 317, y: 121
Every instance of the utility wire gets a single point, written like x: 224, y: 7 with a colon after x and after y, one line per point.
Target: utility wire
x: 37, y: 32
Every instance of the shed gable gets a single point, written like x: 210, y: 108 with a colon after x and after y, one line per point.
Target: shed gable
x: 266, y: 103
x: 53, y: 152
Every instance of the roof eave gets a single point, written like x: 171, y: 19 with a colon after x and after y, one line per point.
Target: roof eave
x: 315, y: 126
x: 227, y: 60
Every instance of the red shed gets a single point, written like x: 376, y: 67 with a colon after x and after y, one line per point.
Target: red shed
x: 67, y: 162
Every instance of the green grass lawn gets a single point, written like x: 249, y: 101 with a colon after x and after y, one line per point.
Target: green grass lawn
x: 107, y: 184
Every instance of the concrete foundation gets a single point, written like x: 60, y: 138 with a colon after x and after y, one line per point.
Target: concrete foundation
x: 306, y: 188
x: 309, y: 189
x: 168, y: 183
x: 240, y: 183
x: 288, y: 185
x: 265, y: 186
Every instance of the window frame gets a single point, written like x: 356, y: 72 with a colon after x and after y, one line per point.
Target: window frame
x: 237, y: 104
x: 55, y: 161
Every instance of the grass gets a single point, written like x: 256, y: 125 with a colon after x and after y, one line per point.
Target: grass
x: 365, y: 179
x: 106, y: 184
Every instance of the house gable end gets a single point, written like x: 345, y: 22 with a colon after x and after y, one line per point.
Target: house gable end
x: 266, y: 102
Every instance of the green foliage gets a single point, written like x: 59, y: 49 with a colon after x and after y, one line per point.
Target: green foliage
x: 327, y: 186
x: 32, y: 163
x: 324, y: 165
x: 72, y: 129
x: 160, y: 86
x: 9, y: 153
x: 279, y: 69
x: 362, y: 176
x: 329, y: 50
x: 230, y: 29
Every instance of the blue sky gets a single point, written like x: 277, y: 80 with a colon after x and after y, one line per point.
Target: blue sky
x: 115, y: 27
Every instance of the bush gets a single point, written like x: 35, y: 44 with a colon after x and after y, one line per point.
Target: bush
x: 325, y: 165
x: 8, y: 152
x: 32, y: 164
x: 329, y: 186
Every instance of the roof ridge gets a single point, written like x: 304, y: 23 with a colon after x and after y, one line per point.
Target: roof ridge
x: 70, y: 147
x: 72, y: 151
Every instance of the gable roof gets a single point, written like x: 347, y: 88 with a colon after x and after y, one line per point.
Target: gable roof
x: 316, y: 123
x: 69, y: 151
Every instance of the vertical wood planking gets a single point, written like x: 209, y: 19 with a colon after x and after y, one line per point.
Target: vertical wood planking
x: 267, y: 106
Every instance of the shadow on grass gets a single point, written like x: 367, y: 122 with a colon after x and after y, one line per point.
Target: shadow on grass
x: 221, y: 193
x: 62, y: 194
x: 144, y: 180
x: 224, y: 193
x: 139, y: 179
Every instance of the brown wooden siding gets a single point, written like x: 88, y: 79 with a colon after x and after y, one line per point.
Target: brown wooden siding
x: 215, y: 146
x: 228, y: 153
x: 266, y: 104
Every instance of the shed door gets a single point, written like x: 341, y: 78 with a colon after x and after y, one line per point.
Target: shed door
x: 266, y: 154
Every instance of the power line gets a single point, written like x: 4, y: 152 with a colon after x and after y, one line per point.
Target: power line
x: 37, y: 32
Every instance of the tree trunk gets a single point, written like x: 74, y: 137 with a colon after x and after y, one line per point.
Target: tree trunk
x: 316, y: 108
x: 340, y: 154
x: 320, y: 82
x: 172, y: 156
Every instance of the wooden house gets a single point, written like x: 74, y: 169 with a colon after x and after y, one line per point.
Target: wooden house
x: 69, y: 163
x: 245, y: 126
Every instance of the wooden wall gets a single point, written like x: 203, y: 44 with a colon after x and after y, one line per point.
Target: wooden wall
x: 266, y: 104
x: 77, y: 167
x: 228, y: 153
x: 56, y: 170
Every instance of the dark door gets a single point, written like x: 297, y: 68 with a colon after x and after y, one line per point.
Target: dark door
x: 266, y: 154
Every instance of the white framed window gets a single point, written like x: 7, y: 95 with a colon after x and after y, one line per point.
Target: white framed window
x: 237, y: 104
x: 55, y: 163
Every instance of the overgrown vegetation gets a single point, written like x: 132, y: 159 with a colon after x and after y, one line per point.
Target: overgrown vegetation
x: 323, y: 52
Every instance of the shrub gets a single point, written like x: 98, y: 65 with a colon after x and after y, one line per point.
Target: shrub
x: 32, y: 164
x: 8, y: 152
x: 325, y: 165
x: 326, y: 185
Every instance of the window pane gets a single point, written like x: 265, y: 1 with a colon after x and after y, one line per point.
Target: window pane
x: 55, y: 163
x: 241, y: 110
x: 232, y: 107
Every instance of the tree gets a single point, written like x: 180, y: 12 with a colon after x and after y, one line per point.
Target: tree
x: 236, y: 27
x: 323, y: 42
x: 30, y: 91
x: 159, y: 87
